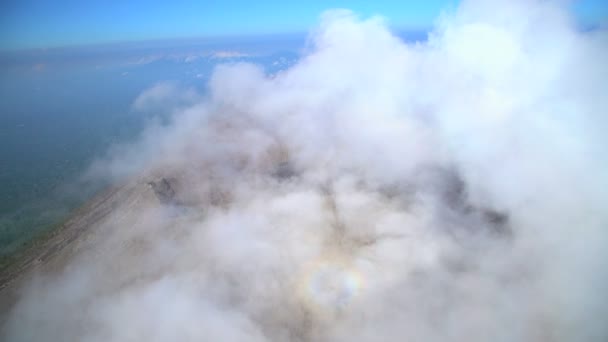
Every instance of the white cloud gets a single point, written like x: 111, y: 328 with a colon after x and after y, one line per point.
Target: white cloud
x: 164, y: 95
x: 228, y: 54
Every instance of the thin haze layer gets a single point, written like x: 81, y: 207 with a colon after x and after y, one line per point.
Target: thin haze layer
x: 452, y: 190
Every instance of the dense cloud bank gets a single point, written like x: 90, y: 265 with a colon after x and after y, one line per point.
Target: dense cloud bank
x: 451, y: 190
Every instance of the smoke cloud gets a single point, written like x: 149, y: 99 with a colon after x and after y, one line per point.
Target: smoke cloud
x: 447, y: 190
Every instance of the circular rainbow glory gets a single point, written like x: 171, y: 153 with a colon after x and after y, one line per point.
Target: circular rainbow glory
x: 329, y: 285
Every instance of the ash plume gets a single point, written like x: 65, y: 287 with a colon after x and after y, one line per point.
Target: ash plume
x: 447, y: 190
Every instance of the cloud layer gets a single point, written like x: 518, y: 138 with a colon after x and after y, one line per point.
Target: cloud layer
x: 449, y: 190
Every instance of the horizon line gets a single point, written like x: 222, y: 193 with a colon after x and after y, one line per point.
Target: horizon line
x: 186, y: 39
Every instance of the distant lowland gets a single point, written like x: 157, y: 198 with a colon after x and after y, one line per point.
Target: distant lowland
x: 64, y: 108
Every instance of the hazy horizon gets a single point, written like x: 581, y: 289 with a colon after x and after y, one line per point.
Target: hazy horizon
x: 27, y: 25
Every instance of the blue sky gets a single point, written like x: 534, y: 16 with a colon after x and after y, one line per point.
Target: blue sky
x: 39, y: 24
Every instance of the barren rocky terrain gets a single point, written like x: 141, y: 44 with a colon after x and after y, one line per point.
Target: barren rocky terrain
x: 51, y: 253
